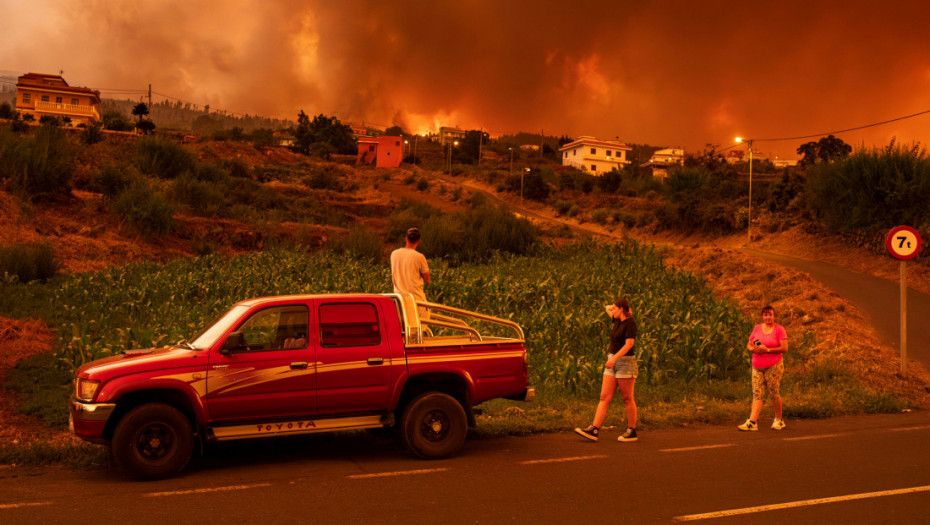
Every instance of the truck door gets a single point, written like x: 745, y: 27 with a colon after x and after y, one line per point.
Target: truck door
x: 353, y: 358
x: 270, y: 372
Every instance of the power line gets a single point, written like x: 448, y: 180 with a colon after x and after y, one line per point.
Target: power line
x: 842, y: 130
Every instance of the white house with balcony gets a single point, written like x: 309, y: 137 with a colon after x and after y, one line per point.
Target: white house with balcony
x: 39, y: 95
x: 664, y: 159
x: 594, y: 156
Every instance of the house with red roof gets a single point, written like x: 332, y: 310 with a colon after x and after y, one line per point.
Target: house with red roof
x: 594, y: 156
x: 39, y: 95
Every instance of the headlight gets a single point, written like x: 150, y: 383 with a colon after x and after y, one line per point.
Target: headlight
x: 85, y: 389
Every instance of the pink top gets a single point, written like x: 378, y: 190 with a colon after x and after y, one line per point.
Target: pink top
x: 770, y: 340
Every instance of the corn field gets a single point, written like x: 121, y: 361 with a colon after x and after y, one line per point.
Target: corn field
x: 557, y: 296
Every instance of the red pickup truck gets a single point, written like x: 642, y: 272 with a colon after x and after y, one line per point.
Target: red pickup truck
x: 298, y: 364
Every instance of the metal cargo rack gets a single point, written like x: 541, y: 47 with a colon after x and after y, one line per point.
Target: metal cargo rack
x: 420, y: 317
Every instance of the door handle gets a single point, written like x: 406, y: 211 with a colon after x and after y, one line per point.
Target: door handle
x: 375, y: 360
x: 220, y: 367
x: 298, y: 365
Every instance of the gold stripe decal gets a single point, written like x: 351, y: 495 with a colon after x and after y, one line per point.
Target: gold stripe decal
x: 300, y: 426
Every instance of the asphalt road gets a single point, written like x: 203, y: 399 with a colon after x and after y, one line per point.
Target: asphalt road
x: 863, y: 469
x: 877, y: 298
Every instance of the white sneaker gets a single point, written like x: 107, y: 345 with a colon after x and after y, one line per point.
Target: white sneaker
x: 748, y: 426
x: 778, y: 424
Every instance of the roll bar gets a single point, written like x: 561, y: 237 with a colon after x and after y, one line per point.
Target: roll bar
x: 417, y: 326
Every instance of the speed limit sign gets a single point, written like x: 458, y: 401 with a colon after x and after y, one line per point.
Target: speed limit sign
x: 903, y: 242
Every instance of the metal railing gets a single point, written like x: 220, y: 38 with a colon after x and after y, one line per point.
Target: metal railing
x: 417, y: 326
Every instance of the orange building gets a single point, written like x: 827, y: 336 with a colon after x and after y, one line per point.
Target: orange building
x: 39, y: 95
x: 384, y: 151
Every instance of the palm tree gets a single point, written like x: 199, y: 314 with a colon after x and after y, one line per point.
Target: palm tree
x: 140, y: 110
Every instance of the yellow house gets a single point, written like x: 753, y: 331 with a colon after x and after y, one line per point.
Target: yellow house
x: 39, y: 95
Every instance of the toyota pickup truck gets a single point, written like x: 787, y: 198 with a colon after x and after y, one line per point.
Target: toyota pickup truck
x: 298, y: 364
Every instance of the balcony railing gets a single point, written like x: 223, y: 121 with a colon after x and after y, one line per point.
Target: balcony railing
x: 67, y: 109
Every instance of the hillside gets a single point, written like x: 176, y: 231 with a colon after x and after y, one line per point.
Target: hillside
x: 308, y: 204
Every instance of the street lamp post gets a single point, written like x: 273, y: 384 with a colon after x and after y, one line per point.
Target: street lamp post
x: 511, y: 160
x: 524, y: 172
x: 749, y: 211
x: 456, y: 143
x: 415, y: 137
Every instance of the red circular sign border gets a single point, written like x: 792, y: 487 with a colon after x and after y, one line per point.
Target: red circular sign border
x: 890, y: 236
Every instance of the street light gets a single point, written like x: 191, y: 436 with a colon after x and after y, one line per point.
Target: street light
x: 749, y: 212
x: 415, y: 137
x: 524, y: 172
x: 511, y: 160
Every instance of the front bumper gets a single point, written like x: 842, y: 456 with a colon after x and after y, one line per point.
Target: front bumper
x: 88, y: 420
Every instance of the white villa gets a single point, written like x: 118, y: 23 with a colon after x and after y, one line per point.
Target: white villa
x: 595, y: 156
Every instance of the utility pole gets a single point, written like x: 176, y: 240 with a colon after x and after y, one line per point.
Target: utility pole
x: 150, y: 97
x: 542, y: 133
x: 480, y: 140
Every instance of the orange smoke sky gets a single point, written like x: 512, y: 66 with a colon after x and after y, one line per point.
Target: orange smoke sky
x: 670, y: 73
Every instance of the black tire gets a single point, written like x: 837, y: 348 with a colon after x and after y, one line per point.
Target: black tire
x: 153, y: 441
x: 434, y: 426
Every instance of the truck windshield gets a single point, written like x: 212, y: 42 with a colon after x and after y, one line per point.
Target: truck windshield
x: 208, y: 336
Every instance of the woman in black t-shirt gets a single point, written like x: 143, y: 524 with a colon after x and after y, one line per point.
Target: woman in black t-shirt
x: 620, y: 372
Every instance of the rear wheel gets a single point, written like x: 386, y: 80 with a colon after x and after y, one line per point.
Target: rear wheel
x: 153, y: 441
x: 434, y: 426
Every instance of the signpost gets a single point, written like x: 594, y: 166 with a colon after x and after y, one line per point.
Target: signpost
x: 903, y: 242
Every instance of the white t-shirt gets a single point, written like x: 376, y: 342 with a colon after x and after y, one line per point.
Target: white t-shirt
x: 407, y: 269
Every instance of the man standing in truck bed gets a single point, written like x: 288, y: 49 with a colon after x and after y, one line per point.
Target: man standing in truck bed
x: 409, y: 270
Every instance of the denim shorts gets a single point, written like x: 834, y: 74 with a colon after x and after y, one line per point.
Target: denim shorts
x: 624, y: 367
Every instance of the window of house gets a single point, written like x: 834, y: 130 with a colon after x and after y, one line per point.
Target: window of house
x: 593, y: 151
x: 58, y: 100
x: 349, y: 324
x: 44, y: 98
x: 574, y: 152
x: 371, y: 148
x: 397, y: 143
x: 277, y: 328
x: 565, y: 155
x: 74, y: 102
x: 27, y: 98
x: 594, y: 167
x: 608, y: 153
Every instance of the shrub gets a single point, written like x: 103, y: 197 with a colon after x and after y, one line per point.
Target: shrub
x: 473, y: 235
x: 364, y: 244
x: 28, y: 262
x: 562, y: 206
x: 163, y: 158
x: 92, y: 134
x: 600, y: 215
x: 148, y: 212
x: 112, y: 180
x: 6, y: 111
x: 115, y: 121
x: 50, y: 120
x: 422, y: 184
x: 204, y: 198
x: 873, y: 189
x: 324, y: 178
x: 40, y: 166
x: 236, y: 168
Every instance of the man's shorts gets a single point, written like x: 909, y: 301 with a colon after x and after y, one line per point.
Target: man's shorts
x: 624, y: 367
x: 767, y: 377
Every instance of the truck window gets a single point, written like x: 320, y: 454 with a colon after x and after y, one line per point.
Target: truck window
x: 276, y: 328
x: 349, y: 324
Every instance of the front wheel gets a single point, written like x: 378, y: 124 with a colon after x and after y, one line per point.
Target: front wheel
x: 434, y: 425
x: 153, y: 441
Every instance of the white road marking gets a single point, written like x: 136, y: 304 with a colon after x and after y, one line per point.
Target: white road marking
x: 819, y: 436
x: 398, y: 473
x: 559, y: 460
x: 201, y: 491
x: 803, y: 503
x: 20, y: 505
x: 923, y: 427
x: 705, y: 447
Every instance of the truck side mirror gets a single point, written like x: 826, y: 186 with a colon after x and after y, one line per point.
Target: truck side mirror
x: 235, y: 342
